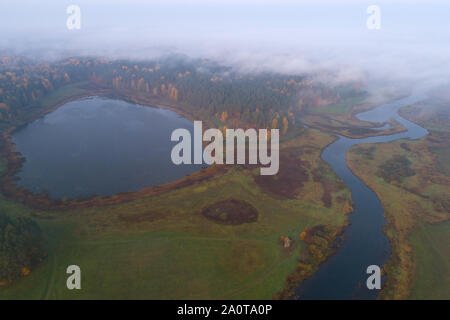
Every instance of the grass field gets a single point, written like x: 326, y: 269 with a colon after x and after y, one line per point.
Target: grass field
x: 431, y: 245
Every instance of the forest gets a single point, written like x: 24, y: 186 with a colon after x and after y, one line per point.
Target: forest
x: 234, y: 99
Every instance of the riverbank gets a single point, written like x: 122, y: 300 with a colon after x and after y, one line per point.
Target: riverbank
x: 414, y: 203
x: 365, y: 243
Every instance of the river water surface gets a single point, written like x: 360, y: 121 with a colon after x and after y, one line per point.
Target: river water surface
x: 344, y: 275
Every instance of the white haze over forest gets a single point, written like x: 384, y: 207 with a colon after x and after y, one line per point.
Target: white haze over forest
x: 411, y: 48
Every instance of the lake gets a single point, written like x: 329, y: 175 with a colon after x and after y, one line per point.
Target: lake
x: 99, y: 146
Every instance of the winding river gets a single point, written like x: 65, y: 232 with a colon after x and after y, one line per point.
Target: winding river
x: 344, y: 275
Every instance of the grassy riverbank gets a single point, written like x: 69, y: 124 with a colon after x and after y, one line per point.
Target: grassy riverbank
x: 411, y: 179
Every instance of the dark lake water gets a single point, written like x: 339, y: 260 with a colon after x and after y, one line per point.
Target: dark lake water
x: 99, y: 146
x: 344, y: 275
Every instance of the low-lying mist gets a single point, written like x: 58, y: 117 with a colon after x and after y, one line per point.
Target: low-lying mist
x: 328, y: 39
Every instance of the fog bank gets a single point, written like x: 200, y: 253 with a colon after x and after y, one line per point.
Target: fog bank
x: 328, y: 38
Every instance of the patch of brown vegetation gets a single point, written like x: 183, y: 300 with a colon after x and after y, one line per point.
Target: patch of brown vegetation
x: 405, y: 146
x: 395, y: 169
x: 366, y: 151
x: 290, y: 177
x: 329, y: 186
x: 231, y: 212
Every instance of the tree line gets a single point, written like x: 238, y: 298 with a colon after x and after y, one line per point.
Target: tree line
x: 233, y: 98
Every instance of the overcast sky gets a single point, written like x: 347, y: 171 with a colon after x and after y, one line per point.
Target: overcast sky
x: 291, y: 36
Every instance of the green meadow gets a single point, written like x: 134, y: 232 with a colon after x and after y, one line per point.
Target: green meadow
x: 431, y: 245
